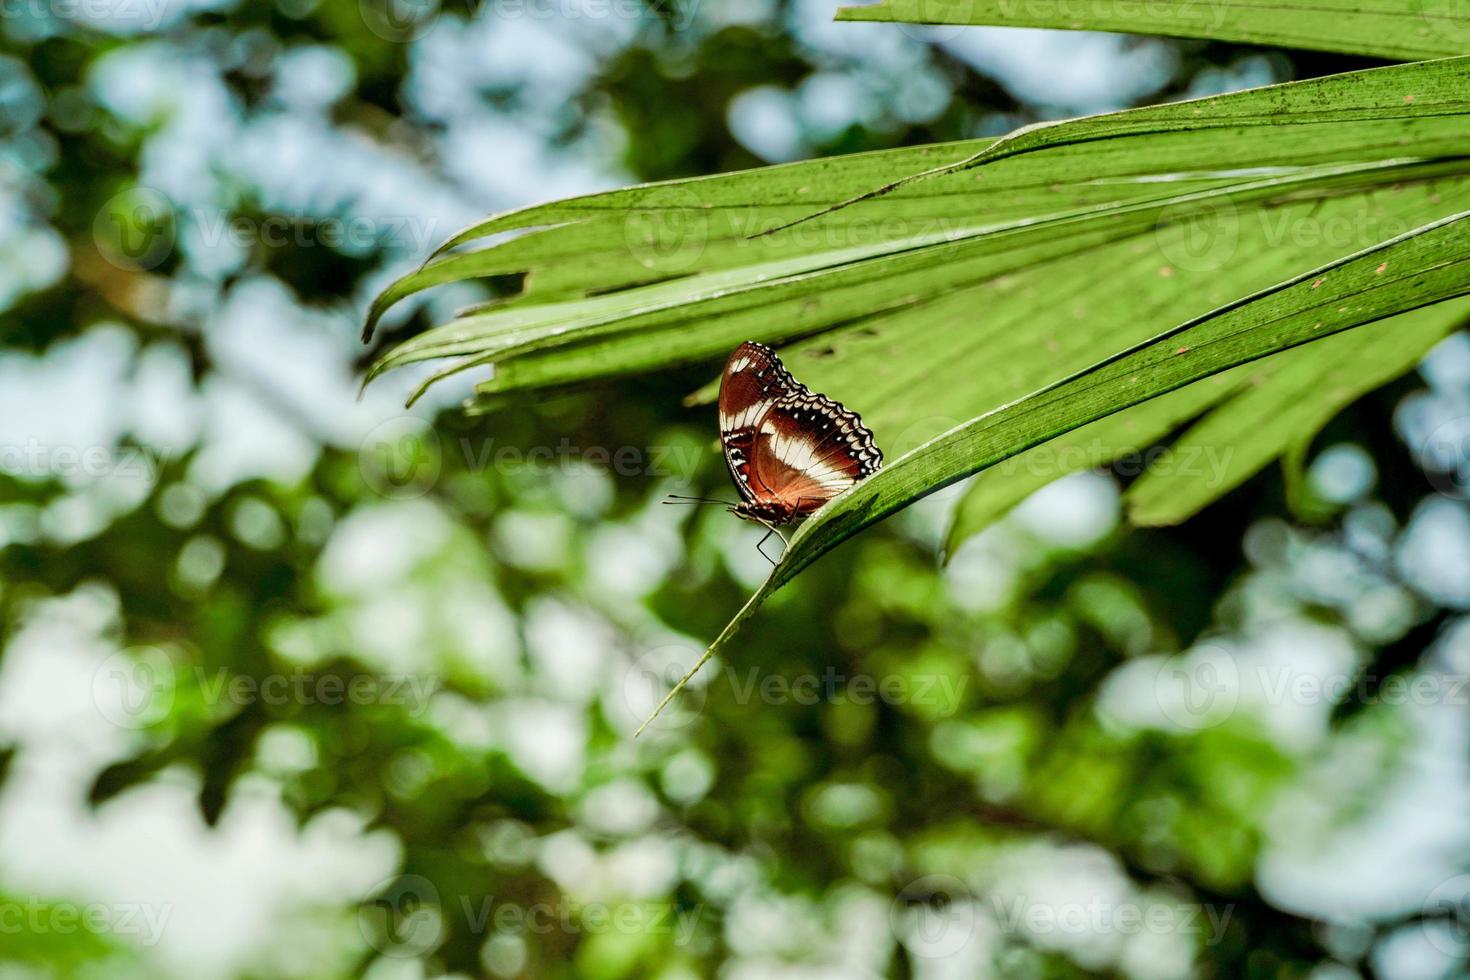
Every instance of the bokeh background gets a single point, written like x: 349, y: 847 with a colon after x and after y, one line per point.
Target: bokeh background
x: 296, y: 683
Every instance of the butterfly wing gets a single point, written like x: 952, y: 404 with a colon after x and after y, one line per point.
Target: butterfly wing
x: 753, y: 383
x: 789, y: 449
x: 809, y: 449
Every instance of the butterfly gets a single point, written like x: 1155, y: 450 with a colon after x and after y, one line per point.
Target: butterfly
x: 789, y: 449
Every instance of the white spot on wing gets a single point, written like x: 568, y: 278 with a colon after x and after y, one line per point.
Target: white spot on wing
x: 745, y: 418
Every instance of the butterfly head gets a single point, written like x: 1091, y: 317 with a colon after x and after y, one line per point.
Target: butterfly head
x: 764, y: 512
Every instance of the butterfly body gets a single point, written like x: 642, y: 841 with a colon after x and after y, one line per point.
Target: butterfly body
x: 789, y: 449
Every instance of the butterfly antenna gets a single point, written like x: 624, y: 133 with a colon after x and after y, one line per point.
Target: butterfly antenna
x: 675, y: 498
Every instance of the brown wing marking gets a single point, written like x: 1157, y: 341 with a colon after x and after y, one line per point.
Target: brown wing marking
x: 754, y: 380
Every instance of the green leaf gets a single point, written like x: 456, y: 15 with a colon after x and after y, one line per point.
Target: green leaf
x: 1407, y: 30
x: 921, y: 370
x: 1274, y: 415
x: 1422, y: 267
x: 1260, y: 412
x: 995, y: 491
x: 663, y: 244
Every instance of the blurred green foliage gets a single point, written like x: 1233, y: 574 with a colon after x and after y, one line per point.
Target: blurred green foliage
x: 436, y: 645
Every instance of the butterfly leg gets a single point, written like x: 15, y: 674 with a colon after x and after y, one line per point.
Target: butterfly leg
x: 760, y: 544
x: 770, y: 530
